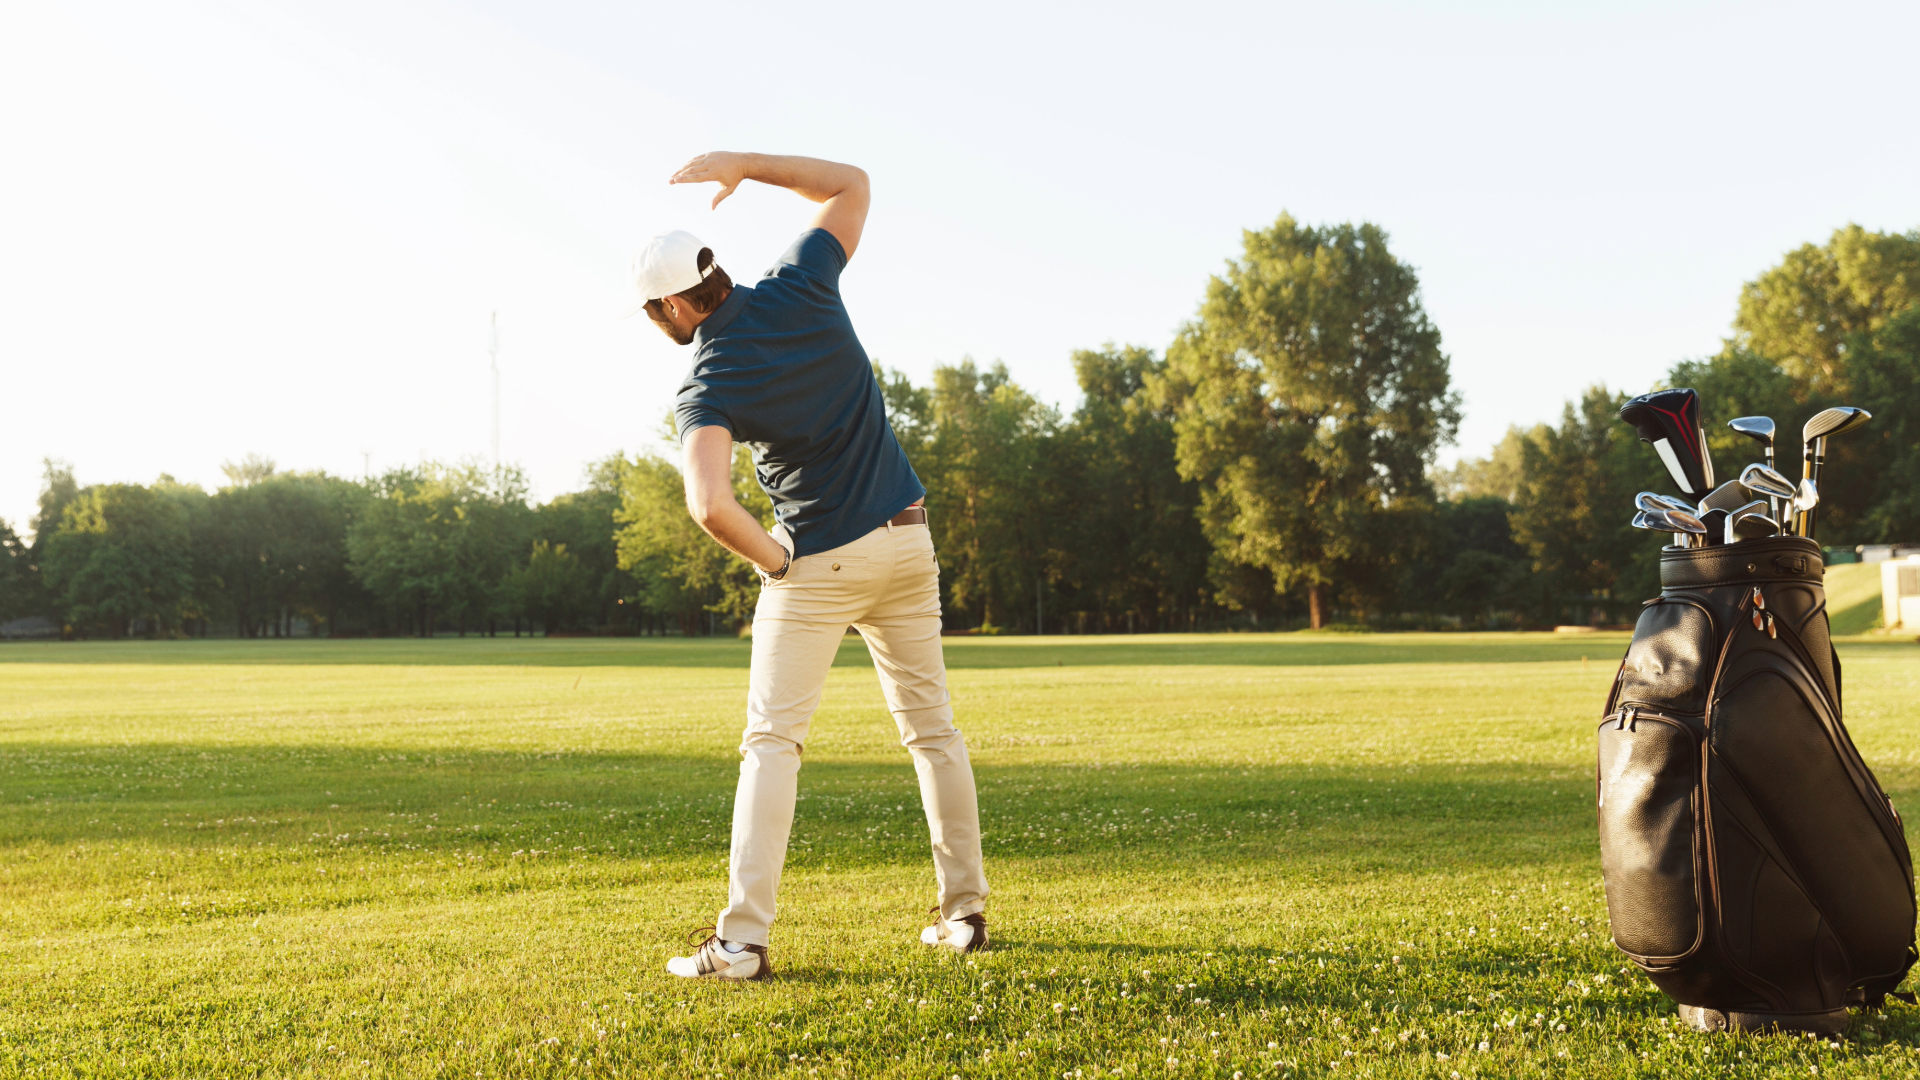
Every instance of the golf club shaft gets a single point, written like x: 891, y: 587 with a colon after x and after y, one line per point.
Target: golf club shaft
x: 1816, y: 456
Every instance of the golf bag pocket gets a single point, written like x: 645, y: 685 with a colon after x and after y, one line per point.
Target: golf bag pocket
x: 1649, y: 810
x: 1670, y: 662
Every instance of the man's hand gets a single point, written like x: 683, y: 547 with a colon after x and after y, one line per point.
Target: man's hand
x: 841, y: 189
x: 708, y: 473
x: 722, y: 167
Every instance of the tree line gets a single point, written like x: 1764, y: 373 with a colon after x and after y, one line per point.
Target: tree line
x: 1272, y: 467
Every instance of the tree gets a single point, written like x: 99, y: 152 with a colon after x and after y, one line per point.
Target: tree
x: 437, y: 540
x: 19, y: 582
x: 1575, y: 509
x: 122, y: 553
x: 1495, y: 476
x: 583, y: 523
x: 987, y: 507
x: 275, y: 548
x: 679, y: 571
x: 1804, y: 313
x: 1126, y: 539
x: 551, y: 588
x: 1309, y: 396
x: 1883, y: 458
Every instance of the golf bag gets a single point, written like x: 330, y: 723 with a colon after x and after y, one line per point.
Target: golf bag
x: 1754, y: 869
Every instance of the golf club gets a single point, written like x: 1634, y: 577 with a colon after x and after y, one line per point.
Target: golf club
x: 1760, y: 429
x: 1763, y: 480
x: 1749, y: 522
x: 1727, y: 496
x: 1813, y: 437
x: 1669, y: 420
x: 1671, y: 521
x: 1716, y: 523
x: 1652, y: 500
x: 1805, y: 499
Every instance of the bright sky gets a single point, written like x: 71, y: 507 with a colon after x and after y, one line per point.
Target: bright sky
x: 272, y: 228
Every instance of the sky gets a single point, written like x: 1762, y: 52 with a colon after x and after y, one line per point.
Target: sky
x: 282, y: 229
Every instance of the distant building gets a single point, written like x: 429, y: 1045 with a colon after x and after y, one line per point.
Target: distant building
x: 1900, y: 591
x: 33, y: 627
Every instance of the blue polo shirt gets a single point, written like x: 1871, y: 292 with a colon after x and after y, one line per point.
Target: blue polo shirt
x: 778, y: 365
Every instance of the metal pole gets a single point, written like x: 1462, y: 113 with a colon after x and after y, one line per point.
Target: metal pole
x: 1039, y: 617
x: 493, y: 359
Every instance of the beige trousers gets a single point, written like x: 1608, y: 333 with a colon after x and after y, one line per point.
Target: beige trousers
x: 886, y: 585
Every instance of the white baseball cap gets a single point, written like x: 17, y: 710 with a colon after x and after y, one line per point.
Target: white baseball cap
x: 667, y: 264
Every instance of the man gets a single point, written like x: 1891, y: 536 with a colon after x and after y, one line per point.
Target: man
x: 777, y: 366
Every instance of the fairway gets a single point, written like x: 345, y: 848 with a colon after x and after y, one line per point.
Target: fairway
x: 1212, y: 856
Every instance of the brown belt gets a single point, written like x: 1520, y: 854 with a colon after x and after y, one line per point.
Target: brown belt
x: 912, y: 515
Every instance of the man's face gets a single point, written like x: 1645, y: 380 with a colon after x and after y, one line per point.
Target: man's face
x: 674, y: 320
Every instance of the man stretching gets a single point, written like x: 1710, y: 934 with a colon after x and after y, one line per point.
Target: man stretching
x: 777, y: 367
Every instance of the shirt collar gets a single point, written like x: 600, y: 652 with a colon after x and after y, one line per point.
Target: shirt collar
x: 728, y: 310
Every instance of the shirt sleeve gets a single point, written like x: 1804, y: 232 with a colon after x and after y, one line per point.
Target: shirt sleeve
x: 815, y: 254
x: 690, y: 413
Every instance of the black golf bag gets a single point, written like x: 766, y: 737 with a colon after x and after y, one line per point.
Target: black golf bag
x: 1754, y: 869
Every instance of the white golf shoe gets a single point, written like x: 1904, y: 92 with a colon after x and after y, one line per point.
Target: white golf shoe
x: 716, y: 959
x: 965, y: 935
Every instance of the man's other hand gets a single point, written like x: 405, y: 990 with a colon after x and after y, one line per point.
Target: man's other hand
x: 841, y: 190
x: 723, y: 167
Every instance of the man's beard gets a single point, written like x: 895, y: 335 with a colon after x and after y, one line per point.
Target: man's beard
x: 679, y: 336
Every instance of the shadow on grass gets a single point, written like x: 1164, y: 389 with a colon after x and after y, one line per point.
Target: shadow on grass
x: 1161, y: 650
x: 188, y: 798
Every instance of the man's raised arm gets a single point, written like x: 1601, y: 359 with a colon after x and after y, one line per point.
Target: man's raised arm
x: 840, y: 189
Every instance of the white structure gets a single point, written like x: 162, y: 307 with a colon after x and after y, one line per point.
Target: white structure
x: 493, y: 361
x: 1900, y: 593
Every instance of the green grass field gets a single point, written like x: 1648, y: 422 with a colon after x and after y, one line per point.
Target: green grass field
x: 1221, y: 856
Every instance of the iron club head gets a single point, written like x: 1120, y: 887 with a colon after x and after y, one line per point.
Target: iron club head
x: 1725, y: 497
x: 1670, y: 521
x: 1653, y: 500
x: 1743, y: 522
x: 1764, y: 481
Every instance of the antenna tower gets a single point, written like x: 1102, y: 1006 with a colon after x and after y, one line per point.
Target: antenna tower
x: 493, y: 359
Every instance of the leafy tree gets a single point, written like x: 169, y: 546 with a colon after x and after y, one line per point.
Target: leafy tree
x: 1309, y: 396
x: 19, y: 581
x: 909, y: 410
x: 122, y: 553
x: 58, y: 488
x: 1575, y: 509
x: 437, y: 540
x: 1883, y: 458
x: 1804, y: 313
x: 981, y: 464
x: 1127, y: 543
x: 1494, y: 476
x: 550, y: 588
x: 1741, y: 382
x: 678, y: 570
x: 583, y: 523
x: 276, y: 548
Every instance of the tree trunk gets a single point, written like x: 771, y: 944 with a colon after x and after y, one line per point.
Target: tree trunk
x: 1316, y: 606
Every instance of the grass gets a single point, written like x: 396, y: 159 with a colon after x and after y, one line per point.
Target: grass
x: 1292, y: 855
x: 1853, y: 598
